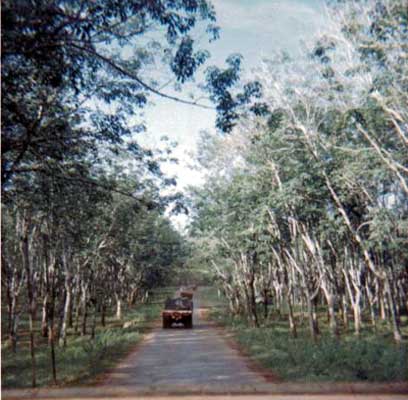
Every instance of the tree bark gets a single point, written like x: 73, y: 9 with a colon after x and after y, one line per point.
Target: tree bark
x: 393, y: 312
x: 292, y: 321
x: 118, y: 308
x: 25, y: 250
x: 84, y: 310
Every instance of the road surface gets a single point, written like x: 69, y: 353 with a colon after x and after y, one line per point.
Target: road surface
x: 171, y: 358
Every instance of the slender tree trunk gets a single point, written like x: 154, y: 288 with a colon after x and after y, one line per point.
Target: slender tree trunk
x: 328, y: 294
x: 312, y: 325
x: 344, y: 308
x: 51, y: 340
x: 25, y: 247
x: 66, y: 316
x: 78, y: 305
x: 44, y: 318
x: 265, y: 298
x: 357, y: 316
x: 13, y: 323
x: 332, y: 316
x: 252, y: 302
x: 118, y: 308
x: 84, y: 301
x: 371, y: 307
x: 314, y: 313
x: 93, y: 327
x: 383, y: 309
x: 393, y: 312
x: 292, y: 322
x: 50, y: 266
x: 103, y: 313
x: 70, y: 319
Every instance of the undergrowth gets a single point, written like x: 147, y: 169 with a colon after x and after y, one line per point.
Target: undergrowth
x: 83, y: 358
x: 371, y: 357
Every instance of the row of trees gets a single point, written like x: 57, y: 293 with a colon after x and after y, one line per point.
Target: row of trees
x: 315, y: 207
x: 72, y: 252
x: 84, y: 225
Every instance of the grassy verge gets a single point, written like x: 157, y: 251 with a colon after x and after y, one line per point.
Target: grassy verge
x: 372, y: 357
x: 83, y: 359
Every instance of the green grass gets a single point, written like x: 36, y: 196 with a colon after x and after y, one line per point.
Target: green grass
x: 83, y: 359
x: 372, y: 357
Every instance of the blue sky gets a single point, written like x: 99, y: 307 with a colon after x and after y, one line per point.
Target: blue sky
x: 254, y: 28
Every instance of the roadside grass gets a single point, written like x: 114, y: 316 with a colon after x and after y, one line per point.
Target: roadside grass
x: 371, y: 357
x: 83, y: 359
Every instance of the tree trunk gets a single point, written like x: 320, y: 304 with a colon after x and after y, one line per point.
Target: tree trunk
x: 371, y: 307
x: 84, y: 310
x: 292, y: 322
x: 393, y: 312
x: 44, y: 318
x: 13, y: 323
x: 118, y: 308
x: 25, y: 248
x: 312, y: 325
x: 66, y: 315
x: 330, y: 308
x: 252, y: 302
x: 332, y: 316
x: 70, y: 319
x: 345, y: 311
x: 266, y: 300
x: 52, y: 347
x: 93, y: 327
x: 103, y: 313
x: 314, y: 313
x: 77, y: 310
x: 357, y: 316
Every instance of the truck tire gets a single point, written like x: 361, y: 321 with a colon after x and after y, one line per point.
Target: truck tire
x: 166, y: 322
x: 188, y: 322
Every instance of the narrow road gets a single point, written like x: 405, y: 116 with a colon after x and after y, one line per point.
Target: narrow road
x: 185, y: 357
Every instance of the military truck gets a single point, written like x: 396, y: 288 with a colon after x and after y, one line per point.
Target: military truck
x: 186, y: 293
x: 178, y: 310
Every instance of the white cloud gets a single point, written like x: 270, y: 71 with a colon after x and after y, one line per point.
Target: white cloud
x: 267, y: 16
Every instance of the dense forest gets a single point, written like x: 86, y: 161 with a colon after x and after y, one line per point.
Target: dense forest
x: 305, y: 202
x: 309, y: 205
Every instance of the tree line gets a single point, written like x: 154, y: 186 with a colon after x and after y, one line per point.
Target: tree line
x: 84, y: 225
x: 308, y: 206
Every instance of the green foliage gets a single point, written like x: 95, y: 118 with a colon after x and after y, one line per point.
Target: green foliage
x: 58, y: 54
x: 371, y: 358
x: 313, y: 198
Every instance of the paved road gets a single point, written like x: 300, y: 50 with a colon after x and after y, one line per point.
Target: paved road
x: 185, y: 357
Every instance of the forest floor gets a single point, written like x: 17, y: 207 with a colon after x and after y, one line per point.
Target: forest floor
x: 190, y: 363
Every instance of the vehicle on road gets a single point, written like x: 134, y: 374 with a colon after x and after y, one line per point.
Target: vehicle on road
x: 186, y: 293
x: 178, y: 310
